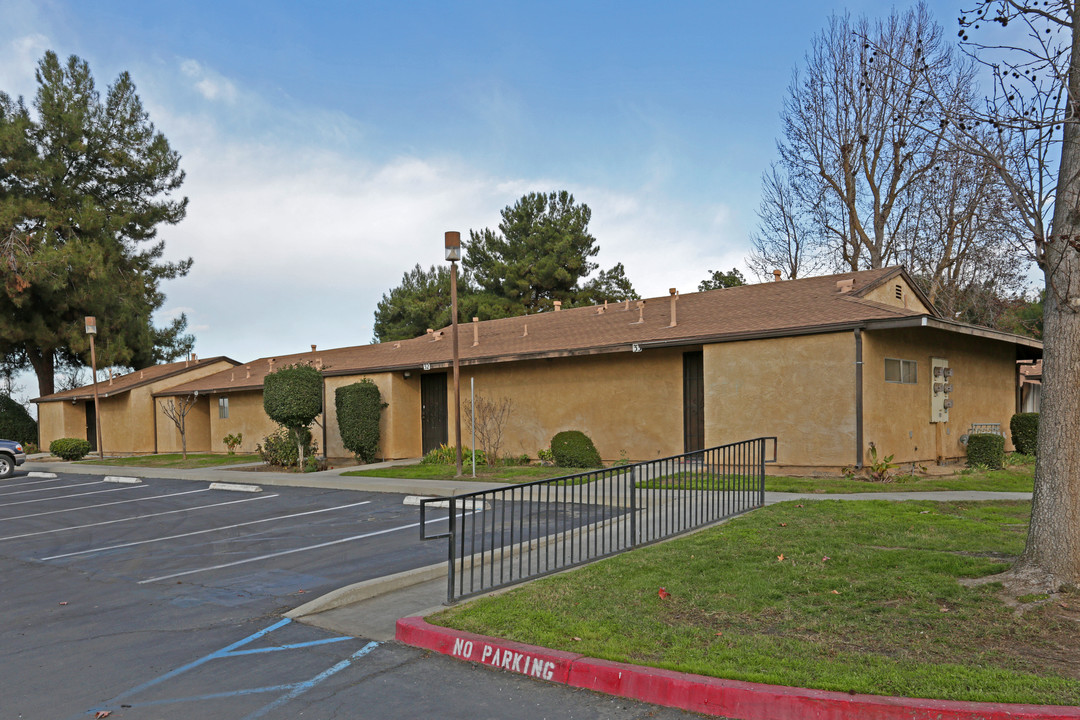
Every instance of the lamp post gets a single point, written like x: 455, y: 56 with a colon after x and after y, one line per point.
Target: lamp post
x: 453, y: 254
x: 91, y: 330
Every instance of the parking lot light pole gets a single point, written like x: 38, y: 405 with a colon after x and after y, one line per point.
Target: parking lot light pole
x: 453, y: 254
x: 91, y: 330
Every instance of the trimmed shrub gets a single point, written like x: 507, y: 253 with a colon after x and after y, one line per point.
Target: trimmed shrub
x: 574, y: 449
x: 1025, y: 432
x: 69, y: 448
x: 987, y: 450
x: 280, y: 450
x: 292, y: 397
x: 359, y: 409
x: 447, y: 455
x: 15, y: 422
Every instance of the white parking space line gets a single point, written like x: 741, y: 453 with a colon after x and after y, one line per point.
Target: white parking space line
x: 100, y: 505
x: 29, y: 482
x: 201, y: 532
x: 65, y: 497
x: 285, y: 552
x: 133, y: 517
x: 62, y: 487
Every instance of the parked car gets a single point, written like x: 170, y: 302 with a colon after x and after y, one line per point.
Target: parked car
x: 11, y: 456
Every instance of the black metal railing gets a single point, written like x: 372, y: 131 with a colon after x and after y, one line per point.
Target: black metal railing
x: 513, y: 533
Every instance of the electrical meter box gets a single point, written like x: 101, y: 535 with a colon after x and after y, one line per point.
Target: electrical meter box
x: 941, y: 386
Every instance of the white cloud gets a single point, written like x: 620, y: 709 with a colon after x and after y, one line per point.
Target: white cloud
x: 18, y: 63
x: 210, y: 84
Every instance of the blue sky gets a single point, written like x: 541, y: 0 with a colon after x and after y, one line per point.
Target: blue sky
x: 328, y: 146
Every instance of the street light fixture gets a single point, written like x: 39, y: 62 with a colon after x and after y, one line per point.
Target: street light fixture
x: 453, y: 254
x: 91, y: 330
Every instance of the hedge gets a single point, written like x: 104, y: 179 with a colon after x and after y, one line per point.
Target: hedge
x: 292, y: 396
x: 15, y: 422
x: 69, y: 448
x: 574, y: 449
x: 1025, y: 432
x: 359, y: 409
x: 986, y: 449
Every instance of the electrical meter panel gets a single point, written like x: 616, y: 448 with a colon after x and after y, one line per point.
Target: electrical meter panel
x: 941, y: 386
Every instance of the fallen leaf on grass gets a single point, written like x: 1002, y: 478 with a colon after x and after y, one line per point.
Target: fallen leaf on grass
x: 835, y: 592
x: 719, y: 634
x: 783, y: 524
x: 924, y: 512
x: 577, y: 639
x: 663, y: 594
x: 944, y: 609
x: 826, y: 558
x: 798, y: 506
x: 780, y: 557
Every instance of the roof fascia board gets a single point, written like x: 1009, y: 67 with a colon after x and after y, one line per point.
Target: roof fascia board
x: 950, y: 326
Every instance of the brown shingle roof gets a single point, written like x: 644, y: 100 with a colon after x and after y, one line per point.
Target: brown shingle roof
x: 790, y: 307
x: 124, y: 383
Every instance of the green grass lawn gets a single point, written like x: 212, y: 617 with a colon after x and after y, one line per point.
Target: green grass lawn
x: 1014, y: 478
x: 501, y: 473
x: 176, y: 460
x: 848, y: 596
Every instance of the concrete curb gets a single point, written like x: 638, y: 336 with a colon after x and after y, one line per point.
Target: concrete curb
x: 697, y: 693
x: 358, y: 592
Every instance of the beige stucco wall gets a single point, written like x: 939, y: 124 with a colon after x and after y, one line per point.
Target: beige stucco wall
x: 799, y: 389
x: 897, y: 417
x: 60, y: 420
x: 246, y: 416
x: 399, y: 426
x: 886, y: 294
x: 196, y: 423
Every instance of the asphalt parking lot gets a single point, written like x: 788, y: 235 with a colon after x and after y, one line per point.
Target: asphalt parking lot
x: 164, y: 599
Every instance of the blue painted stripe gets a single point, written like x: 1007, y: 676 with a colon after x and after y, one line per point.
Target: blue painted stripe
x: 293, y: 646
x: 302, y: 688
x: 203, y: 660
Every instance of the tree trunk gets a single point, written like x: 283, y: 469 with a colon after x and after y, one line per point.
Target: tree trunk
x: 1051, y: 558
x: 44, y: 366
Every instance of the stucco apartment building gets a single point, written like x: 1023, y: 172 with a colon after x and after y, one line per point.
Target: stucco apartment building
x: 828, y: 365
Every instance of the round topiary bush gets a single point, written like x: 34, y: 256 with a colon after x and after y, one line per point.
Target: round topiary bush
x: 574, y: 449
x: 1025, y: 432
x: 987, y: 450
x: 69, y: 448
x: 15, y: 422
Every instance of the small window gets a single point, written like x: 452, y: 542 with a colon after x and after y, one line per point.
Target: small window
x: 223, y: 407
x: 901, y: 371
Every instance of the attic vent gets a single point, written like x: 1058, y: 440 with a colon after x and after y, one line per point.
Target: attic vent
x: 845, y: 286
x: 899, y: 292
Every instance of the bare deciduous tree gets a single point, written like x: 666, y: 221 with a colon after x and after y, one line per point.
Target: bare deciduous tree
x: 788, y: 237
x: 490, y: 418
x: 177, y: 409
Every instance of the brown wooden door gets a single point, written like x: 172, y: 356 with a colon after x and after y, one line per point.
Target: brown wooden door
x: 433, y: 411
x: 693, y: 401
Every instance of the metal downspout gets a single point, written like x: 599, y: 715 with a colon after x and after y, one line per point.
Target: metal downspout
x: 858, y: 399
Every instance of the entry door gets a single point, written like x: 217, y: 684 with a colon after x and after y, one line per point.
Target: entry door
x: 433, y: 411
x: 693, y: 401
x: 91, y: 425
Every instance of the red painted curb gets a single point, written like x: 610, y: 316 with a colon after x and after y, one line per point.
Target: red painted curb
x: 710, y: 696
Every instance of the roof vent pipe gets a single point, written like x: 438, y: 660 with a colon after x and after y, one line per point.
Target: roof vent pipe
x: 248, y: 368
x: 526, y: 333
x: 312, y: 348
x: 674, y: 297
x: 641, y: 312
x: 476, y: 327
x: 776, y: 275
x: 110, y: 376
x: 194, y: 357
x: 558, y: 305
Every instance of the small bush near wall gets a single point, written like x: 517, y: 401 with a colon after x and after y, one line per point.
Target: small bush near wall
x: 986, y: 450
x: 69, y: 448
x: 15, y: 422
x: 1025, y: 432
x: 574, y: 449
x: 359, y: 409
x: 280, y: 450
x: 447, y: 455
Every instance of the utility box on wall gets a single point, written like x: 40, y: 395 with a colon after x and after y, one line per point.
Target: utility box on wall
x: 941, y: 386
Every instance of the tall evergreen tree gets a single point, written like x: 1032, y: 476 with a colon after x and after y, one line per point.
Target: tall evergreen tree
x: 85, y: 182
